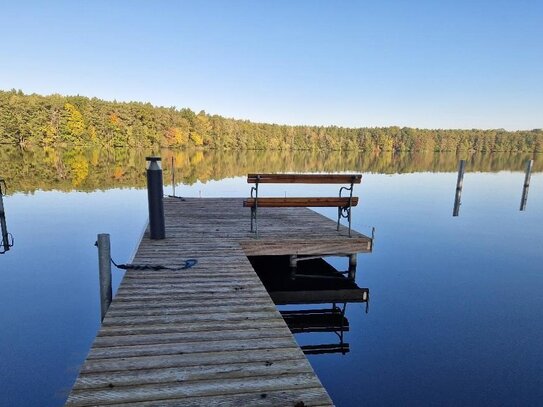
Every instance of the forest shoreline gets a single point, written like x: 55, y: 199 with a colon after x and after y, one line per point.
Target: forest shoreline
x: 64, y: 121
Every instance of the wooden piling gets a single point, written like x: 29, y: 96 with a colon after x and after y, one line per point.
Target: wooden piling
x: 459, y: 185
x: 104, y: 264
x: 461, y: 169
x: 526, y: 186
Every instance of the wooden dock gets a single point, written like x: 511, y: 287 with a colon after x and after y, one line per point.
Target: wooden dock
x: 209, y: 335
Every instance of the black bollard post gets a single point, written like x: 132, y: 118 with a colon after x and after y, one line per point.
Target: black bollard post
x: 155, y: 194
x: 104, y: 269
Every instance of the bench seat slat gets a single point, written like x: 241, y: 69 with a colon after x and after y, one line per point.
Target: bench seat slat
x: 305, y: 178
x: 300, y: 202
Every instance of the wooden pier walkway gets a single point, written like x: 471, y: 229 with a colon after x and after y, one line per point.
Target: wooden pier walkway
x: 210, y: 335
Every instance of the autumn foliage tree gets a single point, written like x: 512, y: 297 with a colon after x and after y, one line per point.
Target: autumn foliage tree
x: 76, y: 120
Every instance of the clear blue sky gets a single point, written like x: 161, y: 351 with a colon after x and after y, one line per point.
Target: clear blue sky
x: 432, y: 64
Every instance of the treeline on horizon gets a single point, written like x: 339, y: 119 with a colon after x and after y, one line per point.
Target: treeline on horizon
x: 55, y: 120
x: 90, y: 169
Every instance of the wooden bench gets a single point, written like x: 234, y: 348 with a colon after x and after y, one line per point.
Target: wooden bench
x: 343, y: 203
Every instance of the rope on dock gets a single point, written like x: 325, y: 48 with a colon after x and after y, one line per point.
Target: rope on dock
x: 176, y: 197
x: 187, y: 264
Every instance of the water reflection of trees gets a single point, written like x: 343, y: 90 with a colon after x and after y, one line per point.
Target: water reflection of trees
x: 97, y: 169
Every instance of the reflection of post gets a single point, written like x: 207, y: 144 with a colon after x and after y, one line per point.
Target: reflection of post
x: 293, y: 266
x: 459, y: 184
x: 526, y: 187
x: 352, y: 266
x: 104, y: 264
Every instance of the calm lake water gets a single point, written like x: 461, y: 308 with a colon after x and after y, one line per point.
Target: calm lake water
x: 456, y: 310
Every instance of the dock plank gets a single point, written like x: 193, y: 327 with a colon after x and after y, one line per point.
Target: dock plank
x: 191, y: 373
x: 311, y: 397
x: 168, y: 390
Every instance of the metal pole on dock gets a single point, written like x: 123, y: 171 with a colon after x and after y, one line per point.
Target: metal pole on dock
x: 155, y: 194
x: 104, y: 265
x: 173, y: 176
x: 526, y: 187
x: 459, y: 185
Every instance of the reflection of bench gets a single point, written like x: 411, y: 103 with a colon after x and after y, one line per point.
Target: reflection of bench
x: 316, y: 320
x: 343, y: 203
x: 320, y: 320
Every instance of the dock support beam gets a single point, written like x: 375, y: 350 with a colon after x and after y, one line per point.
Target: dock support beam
x: 526, y: 187
x: 155, y: 194
x: 459, y: 185
x: 104, y: 264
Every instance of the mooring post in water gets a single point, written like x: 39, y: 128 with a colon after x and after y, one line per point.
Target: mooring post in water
x: 459, y: 185
x: 104, y: 265
x: 5, y: 244
x: 155, y: 194
x: 526, y: 187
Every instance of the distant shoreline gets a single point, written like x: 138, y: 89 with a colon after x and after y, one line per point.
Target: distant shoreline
x: 35, y: 120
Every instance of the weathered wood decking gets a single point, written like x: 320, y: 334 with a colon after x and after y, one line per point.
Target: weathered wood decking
x: 209, y: 335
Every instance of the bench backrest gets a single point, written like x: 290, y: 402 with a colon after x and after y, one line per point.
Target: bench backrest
x: 304, y: 178
x: 328, y: 202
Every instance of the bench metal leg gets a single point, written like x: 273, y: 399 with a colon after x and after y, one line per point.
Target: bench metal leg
x: 344, y: 213
x: 255, y: 207
x: 254, y: 223
x: 346, y: 210
x: 349, y: 221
